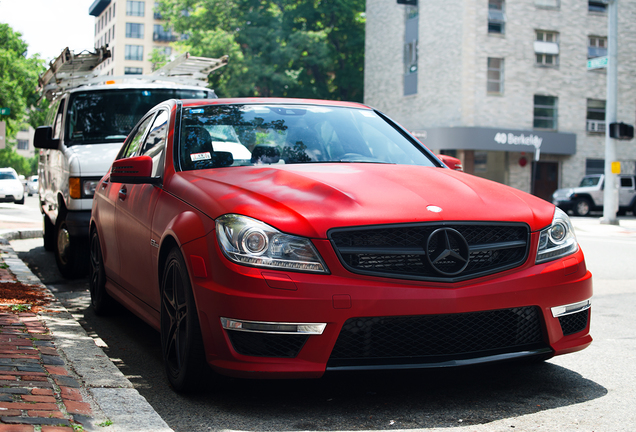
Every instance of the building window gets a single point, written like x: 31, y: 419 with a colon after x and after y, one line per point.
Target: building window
x: 545, y: 112
x: 496, y: 16
x: 596, y: 47
x: 23, y: 144
x: 135, y: 8
x: 546, y: 48
x: 163, y: 35
x: 164, y: 50
x: 495, y: 75
x: 133, y: 71
x: 595, y: 116
x: 134, y: 52
x: 596, y: 6
x: 134, y: 30
x: 552, y: 4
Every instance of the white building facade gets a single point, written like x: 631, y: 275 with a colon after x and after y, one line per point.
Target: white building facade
x: 501, y: 83
x: 131, y: 29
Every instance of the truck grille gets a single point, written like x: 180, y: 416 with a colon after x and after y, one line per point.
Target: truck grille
x: 443, y: 252
x: 437, y: 338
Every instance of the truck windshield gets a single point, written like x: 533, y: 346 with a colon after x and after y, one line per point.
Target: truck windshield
x: 589, y: 181
x: 107, y: 116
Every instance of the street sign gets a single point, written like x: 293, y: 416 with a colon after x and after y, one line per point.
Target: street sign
x: 597, y: 63
x: 5, y: 111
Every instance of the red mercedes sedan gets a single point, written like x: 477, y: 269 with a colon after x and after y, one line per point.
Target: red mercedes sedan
x: 287, y: 238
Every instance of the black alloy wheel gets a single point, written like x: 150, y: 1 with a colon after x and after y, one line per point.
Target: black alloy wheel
x: 101, y: 301
x: 181, y: 341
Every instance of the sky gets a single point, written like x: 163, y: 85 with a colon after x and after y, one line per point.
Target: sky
x: 49, y: 26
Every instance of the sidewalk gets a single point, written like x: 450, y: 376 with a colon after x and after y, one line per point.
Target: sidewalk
x: 53, y: 377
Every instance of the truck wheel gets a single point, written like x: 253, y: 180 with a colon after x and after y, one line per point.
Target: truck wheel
x: 582, y: 207
x: 48, y: 234
x: 71, y: 261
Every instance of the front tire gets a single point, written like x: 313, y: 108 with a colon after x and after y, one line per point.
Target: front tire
x: 101, y: 301
x: 181, y: 340
x: 582, y: 207
x: 71, y: 262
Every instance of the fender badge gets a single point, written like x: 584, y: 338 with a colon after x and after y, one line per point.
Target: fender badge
x: 434, y: 209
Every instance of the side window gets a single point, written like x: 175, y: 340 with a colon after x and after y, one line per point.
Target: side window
x: 626, y: 182
x: 156, y: 143
x: 57, y: 124
x: 135, y: 143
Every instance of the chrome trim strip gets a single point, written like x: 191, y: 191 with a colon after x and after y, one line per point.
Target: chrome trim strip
x: 559, y: 311
x: 273, y: 327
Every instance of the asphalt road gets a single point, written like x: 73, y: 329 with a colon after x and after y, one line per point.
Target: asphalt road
x: 592, y: 390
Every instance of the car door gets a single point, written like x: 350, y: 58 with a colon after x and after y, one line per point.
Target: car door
x: 134, y: 211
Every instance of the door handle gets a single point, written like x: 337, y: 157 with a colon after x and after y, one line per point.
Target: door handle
x: 122, y: 193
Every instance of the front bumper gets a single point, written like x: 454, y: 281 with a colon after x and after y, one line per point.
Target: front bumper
x: 342, y: 302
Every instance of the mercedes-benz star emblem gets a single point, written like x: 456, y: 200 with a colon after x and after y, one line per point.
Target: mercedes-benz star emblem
x: 447, y: 251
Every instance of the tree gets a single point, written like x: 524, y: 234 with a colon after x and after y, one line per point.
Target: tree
x: 282, y: 48
x: 18, y: 79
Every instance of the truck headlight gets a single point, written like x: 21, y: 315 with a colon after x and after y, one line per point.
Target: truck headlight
x: 558, y: 240
x: 80, y: 187
x: 251, y: 242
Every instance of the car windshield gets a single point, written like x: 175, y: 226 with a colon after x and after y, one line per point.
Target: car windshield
x: 589, y: 181
x: 7, y: 176
x: 232, y: 135
x: 108, y: 116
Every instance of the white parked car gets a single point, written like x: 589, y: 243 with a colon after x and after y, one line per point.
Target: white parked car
x: 32, y: 185
x: 11, y: 188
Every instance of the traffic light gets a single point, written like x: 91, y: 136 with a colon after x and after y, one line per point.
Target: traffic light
x: 621, y: 131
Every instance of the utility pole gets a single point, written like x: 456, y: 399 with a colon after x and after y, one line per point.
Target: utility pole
x: 610, y: 193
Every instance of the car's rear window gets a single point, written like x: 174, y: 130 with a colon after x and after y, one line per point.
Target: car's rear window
x: 108, y: 116
x: 232, y: 135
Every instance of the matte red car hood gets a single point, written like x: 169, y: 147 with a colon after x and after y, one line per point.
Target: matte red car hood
x: 310, y: 199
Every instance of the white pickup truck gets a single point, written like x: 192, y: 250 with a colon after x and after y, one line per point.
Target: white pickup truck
x: 588, y: 196
x: 89, y: 120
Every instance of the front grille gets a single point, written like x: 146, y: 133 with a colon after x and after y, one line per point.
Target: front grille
x: 574, y: 323
x: 414, y: 251
x: 426, y: 339
x: 266, y: 344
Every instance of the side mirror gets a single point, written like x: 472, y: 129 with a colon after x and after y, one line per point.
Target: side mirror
x: 43, y: 138
x: 134, y: 170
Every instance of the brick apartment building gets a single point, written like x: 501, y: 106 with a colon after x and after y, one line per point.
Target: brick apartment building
x: 498, y: 82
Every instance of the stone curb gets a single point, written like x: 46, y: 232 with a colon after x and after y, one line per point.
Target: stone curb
x: 109, y: 392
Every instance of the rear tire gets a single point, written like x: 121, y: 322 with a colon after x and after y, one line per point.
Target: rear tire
x: 101, y: 301
x: 72, y: 261
x: 48, y: 234
x: 582, y: 207
x: 181, y: 340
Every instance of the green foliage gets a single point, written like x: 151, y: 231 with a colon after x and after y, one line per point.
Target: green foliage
x: 22, y: 165
x: 18, y: 78
x: 283, y: 48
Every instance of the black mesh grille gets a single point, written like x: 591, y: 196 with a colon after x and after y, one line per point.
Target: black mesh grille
x: 404, y: 251
x: 436, y: 338
x: 574, y: 323
x: 265, y: 344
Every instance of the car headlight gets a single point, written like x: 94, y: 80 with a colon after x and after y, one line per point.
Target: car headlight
x: 251, y: 242
x: 558, y: 240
